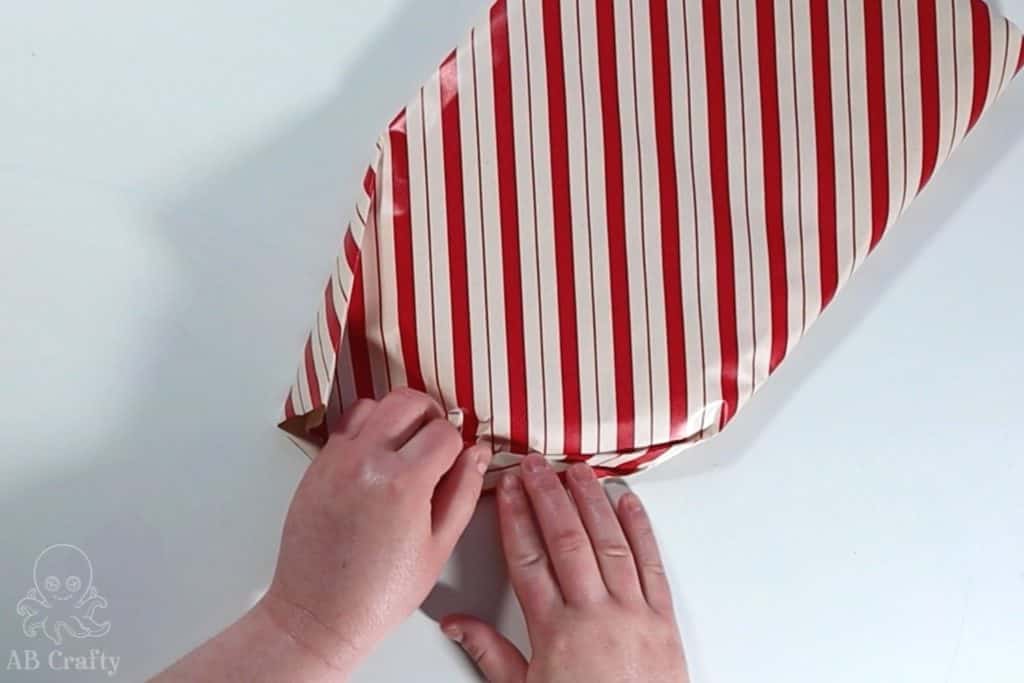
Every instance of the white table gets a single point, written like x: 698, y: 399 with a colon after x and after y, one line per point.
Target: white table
x: 172, y: 180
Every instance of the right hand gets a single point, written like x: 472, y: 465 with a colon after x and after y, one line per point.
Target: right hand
x: 371, y: 525
x: 590, y: 581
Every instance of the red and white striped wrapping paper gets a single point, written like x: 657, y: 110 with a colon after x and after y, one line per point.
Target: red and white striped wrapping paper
x: 601, y: 225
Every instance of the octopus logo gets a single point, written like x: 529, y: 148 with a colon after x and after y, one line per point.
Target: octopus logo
x: 63, y: 600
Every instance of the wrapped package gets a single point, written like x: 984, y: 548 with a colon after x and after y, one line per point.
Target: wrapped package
x: 601, y: 225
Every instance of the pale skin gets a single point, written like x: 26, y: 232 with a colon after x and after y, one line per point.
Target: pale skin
x: 375, y: 519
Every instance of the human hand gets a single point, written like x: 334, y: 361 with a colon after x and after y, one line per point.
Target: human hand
x: 371, y: 525
x: 590, y: 581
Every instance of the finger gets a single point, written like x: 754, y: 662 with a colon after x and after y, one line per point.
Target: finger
x: 398, y: 416
x: 433, y: 449
x: 498, y: 659
x: 610, y: 546
x: 353, y: 419
x: 567, y: 542
x: 456, y: 496
x: 640, y: 534
x: 529, y: 570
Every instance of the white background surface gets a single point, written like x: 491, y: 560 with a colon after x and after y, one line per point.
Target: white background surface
x: 172, y: 183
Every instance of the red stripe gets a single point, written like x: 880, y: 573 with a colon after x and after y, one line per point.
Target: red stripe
x: 616, y: 214
x: 773, y: 202
x: 351, y: 251
x: 508, y: 192
x: 1020, y: 60
x: 355, y: 322
x: 289, y: 407
x: 314, y: 383
x: 721, y: 202
x: 563, y: 223
x: 878, y: 126
x: 982, y: 29
x: 356, y: 330
x: 668, y: 180
x: 825, y: 147
x: 462, y: 342
x: 405, y: 292
x: 930, y: 105
x: 333, y: 323
x: 370, y: 183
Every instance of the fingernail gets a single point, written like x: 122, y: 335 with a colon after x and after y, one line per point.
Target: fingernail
x: 483, y: 459
x: 581, y: 473
x: 453, y: 633
x: 534, y: 464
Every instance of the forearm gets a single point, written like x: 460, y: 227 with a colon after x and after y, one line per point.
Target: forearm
x: 261, y: 646
x: 367, y: 533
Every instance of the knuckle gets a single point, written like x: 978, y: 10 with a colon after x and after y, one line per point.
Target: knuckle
x: 396, y: 484
x: 613, y: 550
x: 407, y: 392
x: 415, y: 398
x: 653, y: 567
x: 568, y: 541
x: 476, y: 650
x: 530, y: 560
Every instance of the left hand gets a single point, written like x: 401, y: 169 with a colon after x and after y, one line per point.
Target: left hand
x: 374, y: 520
x: 591, y: 582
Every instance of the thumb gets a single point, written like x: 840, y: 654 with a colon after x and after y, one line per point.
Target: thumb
x: 457, y: 494
x: 497, y: 658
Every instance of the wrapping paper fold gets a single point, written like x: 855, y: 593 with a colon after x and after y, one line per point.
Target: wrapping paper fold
x: 600, y: 226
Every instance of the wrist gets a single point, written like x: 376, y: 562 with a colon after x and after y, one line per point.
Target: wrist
x: 264, y: 645
x: 307, y: 635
